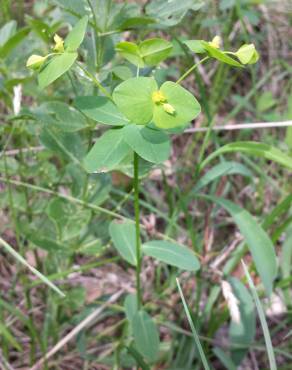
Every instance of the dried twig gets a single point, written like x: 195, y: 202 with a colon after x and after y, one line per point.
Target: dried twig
x: 241, y: 126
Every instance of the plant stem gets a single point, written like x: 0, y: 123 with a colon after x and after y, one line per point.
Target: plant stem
x: 137, y: 226
x: 191, y: 70
x: 96, y: 82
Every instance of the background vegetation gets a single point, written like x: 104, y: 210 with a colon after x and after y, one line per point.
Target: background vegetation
x: 54, y: 217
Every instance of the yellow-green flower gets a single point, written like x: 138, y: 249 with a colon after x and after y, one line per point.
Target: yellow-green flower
x: 247, y: 54
x: 216, y: 42
x: 158, y: 97
x: 35, y: 61
x: 168, y: 108
x: 59, y: 44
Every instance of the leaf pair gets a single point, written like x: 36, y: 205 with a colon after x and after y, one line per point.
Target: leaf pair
x: 137, y: 99
x: 149, y: 52
x: 246, y: 54
x: 123, y: 237
x: 61, y: 61
x: 115, y: 145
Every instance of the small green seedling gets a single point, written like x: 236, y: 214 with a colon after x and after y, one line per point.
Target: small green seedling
x: 142, y: 116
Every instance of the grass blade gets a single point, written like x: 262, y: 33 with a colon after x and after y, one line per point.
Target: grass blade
x: 20, y: 259
x: 263, y: 321
x: 195, y: 335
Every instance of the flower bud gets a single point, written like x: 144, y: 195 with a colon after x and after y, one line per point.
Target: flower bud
x: 168, y: 108
x: 35, y: 61
x: 247, y: 54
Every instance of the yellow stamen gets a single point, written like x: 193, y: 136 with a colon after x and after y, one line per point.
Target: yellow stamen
x: 168, y: 108
x: 59, y: 44
x: 158, y: 97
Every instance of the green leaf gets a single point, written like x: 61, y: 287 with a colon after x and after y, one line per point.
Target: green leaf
x: 108, y: 151
x: 60, y: 115
x: 269, y: 345
x: 153, y: 51
x: 122, y: 72
x: 149, y: 52
x: 69, y: 145
x: 69, y: 220
x: 243, y: 332
x: 195, y: 46
x: 76, y: 8
x: 124, y: 238
x: 76, y: 35
x: 259, y: 243
x: 130, y: 51
x: 7, y: 31
x: 194, y: 331
x: 146, y: 336
x: 247, y: 54
x: 220, y: 55
x: 184, y: 103
x: 100, y: 109
x: 252, y: 148
x: 45, y: 243
x: 131, y: 306
x: 55, y: 68
x: 172, y: 254
x: 134, y: 99
x: 222, y: 169
x: 13, y: 41
x: 150, y: 144
x: 9, y: 337
x: 171, y: 12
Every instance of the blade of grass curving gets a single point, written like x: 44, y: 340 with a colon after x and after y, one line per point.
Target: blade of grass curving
x: 195, y: 335
x: 269, y: 345
x: 20, y: 259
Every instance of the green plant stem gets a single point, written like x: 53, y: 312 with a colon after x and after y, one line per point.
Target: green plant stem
x: 137, y: 227
x: 96, y: 82
x: 189, y: 71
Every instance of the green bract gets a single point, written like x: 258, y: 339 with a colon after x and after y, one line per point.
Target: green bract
x: 65, y: 56
x: 246, y: 54
x: 136, y: 99
x: 149, y: 52
x: 100, y: 109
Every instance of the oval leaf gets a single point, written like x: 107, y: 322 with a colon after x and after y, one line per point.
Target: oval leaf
x: 60, y: 115
x: 186, y: 107
x: 153, y: 51
x: 76, y: 36
x: 150, y: 144
x: 56, y: 67
x: 146, y: 336
x: 124, y: 239
x: 108, y: 151
x: 130, y: 51
x: 134, y: 99
x: 100, y: 109
x: 172, y: 254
